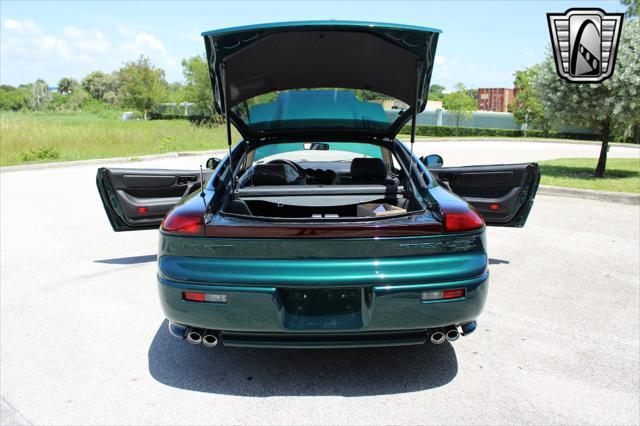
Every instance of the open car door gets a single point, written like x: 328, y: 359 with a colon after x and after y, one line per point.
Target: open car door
x: 136, y: 199
x: 502, y: 194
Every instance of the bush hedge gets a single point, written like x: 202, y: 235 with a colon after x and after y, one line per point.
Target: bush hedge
x: 448, y: 131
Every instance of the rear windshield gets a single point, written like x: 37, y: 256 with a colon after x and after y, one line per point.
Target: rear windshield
x: 308, y: 108
x: 316, y: 151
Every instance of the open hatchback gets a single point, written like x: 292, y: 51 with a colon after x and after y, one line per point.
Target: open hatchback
x: 320, y: 227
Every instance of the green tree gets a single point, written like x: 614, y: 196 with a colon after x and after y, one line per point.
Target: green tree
x: 102, y: 86
x: 460, y: 103
x: 604, y: 107
x: 527, y: 107
x: 198, y: 87
x: 436, y: 92
x: 142, y: 85
x: 627, y: 79
x: 14, y: 99
x: 633, y: 8
x: 67, y: 85
x: 176, y: 92
x: 40, y: 95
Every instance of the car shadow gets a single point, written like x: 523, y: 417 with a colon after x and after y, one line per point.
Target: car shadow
x: 299, y: 372
x: 131, y: 260
x: 498, y: 261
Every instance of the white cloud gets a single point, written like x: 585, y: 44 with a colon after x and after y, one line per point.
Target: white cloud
x: 26, y: 25
x: 144, y: 44
x: 10, y: 24
x: 149, y: 45
x: 125, y: 31
x: 27, y: 52
x: 440, y: 59
x: 25, y: 38
x: 74, y: 32
x: 91, y: 42
x: 151, y: 41
x: 96, y: 42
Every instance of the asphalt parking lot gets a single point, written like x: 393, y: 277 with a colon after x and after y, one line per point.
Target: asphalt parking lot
x: 83, y: 340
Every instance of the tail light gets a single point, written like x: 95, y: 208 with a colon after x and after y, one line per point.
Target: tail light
x: 455, y: 293
x: 183, y: 223
x: 467, y: 220
x: 192, y: 296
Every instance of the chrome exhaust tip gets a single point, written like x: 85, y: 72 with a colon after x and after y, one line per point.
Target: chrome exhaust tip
x: 453, y: 334
x: 210, y: 340
x: 194, y: 337
x: 438, y: 337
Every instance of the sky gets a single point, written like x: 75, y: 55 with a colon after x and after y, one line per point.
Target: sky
x: 483, y: 42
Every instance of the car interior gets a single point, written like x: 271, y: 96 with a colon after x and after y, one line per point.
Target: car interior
x: 359, y: 187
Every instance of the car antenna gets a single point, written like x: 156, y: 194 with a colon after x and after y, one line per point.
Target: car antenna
x: 414, y: 114
x: 225, y: 91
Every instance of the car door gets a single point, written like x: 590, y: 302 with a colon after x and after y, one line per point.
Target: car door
x: 502, y: 194
x: 136, y: 199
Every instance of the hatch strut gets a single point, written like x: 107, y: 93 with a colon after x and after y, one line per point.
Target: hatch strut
x: 413, y: 118
x: 225, y: 91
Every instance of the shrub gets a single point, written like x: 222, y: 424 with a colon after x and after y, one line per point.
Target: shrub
x: 449, y: 131
x: 40, y: 153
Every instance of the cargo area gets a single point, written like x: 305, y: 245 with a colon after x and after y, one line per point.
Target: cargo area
x: 321, y: 203
x: 360, y: 188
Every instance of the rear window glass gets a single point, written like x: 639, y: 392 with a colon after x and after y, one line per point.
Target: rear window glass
x: 317, y: 108
x: 316, y: 151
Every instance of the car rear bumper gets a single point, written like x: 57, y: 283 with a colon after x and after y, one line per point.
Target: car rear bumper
x: 263, y: 316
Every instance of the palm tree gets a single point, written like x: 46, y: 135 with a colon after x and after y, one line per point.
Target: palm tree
x: 67, y: 85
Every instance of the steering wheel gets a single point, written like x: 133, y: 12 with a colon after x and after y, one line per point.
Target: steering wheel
x: 301, y: 172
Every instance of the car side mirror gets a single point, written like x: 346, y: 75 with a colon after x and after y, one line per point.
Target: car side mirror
x: 432, y: 161
x: 213, y: 162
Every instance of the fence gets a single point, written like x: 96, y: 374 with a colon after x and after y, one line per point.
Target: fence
x: 479, y: 119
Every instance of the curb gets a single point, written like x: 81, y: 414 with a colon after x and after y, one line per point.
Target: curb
x: 110, y: 160
x: 588, y: 194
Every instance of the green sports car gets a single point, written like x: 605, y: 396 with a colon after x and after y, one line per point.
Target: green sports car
x: 320, y: 228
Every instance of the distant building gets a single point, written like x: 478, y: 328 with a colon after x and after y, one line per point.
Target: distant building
x: 497, y: 100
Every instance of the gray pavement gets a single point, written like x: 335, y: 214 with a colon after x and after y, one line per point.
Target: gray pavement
x: 83, y: 340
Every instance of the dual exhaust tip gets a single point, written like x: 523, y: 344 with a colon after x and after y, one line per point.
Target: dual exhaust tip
x: 195, y: 336
x: 451, y: 334
x: 207, y: 337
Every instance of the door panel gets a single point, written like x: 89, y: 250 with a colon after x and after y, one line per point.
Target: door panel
x: 140, y: 198
x: 502, y: 194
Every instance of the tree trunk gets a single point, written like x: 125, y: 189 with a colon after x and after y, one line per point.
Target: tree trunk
x: 145, y: 115
x: 602, y: 161
x: 635, y: 136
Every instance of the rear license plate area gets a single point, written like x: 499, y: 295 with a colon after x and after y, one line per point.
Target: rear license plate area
x: 323, y: 309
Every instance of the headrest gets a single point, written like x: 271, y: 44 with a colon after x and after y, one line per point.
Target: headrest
x: 368, y: 169
x: 273, y: 174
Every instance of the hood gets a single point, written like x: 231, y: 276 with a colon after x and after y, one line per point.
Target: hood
x: 270, y: 75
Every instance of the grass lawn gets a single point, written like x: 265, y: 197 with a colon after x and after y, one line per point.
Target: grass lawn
x: 55, y: 136
x: 622, y: 174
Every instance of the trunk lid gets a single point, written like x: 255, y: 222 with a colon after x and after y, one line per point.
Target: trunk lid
x: 270, y: 75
